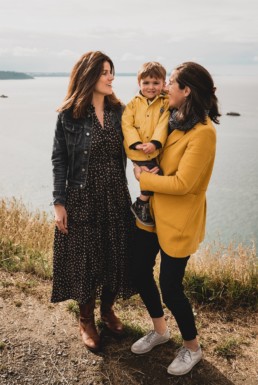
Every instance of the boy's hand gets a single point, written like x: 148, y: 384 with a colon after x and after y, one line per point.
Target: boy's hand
x: 148, y: 148
x: 139, y: 147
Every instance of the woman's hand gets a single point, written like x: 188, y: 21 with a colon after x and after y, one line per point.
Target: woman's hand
x: 138, y: 170
x: 61, y: 218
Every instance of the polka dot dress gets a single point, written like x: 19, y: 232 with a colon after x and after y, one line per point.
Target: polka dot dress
x: 97, y: 250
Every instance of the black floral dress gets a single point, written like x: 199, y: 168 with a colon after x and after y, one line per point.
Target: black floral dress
x: 97, y: 251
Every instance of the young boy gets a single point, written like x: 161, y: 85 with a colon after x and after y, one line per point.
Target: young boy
x: 145, y: 128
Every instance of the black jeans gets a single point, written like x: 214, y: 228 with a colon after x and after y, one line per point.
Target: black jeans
x: 171, y: 276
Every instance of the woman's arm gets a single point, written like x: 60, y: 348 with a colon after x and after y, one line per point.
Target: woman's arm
x: 60, y: 164
x: 197, y: 157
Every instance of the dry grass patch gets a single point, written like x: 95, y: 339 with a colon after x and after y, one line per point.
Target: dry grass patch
x: 218, y: 275
x: 225, y: 276
x: 26, y: 239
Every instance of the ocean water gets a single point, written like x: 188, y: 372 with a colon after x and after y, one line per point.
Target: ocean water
x: 27, y: 122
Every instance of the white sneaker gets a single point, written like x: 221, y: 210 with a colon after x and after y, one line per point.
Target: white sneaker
x: 184, y: 361
x: 147, y: 343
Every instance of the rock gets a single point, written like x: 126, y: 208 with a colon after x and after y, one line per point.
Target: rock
x: 233, y: 113
x: 3, y: 96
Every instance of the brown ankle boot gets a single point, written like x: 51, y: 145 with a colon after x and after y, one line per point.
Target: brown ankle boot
x: 109, y: 318
x: 87, y: 327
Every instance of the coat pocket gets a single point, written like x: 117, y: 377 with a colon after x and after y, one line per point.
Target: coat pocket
x: 73, y: 132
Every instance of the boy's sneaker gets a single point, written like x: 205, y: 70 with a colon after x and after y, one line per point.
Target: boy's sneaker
x: 141, y: 211
x: 184, y: 361
x: 147, y: 343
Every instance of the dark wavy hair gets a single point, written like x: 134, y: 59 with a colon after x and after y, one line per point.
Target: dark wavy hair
x: 202, y: 98
x: 84, y: 76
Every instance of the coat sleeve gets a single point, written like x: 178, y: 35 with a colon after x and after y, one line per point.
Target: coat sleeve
x: 161, y: 130
x: 60, y: 164
x: 130, y: 133
x: 198, y: 155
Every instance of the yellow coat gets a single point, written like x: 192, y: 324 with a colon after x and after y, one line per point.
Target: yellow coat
x: 143, y: 122
x: 179, y: 200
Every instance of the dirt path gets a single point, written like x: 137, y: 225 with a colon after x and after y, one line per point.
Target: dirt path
x: 39, y: 344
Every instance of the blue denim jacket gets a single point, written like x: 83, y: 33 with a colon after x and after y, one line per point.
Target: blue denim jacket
x: 71, y: 151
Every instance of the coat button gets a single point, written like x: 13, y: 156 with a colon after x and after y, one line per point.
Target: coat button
x: 85, y: 152
x: 83, y: 169
x: 87, y: 133
x: 81, y: 186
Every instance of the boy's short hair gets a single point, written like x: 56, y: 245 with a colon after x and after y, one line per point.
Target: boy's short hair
x: 152, y: 69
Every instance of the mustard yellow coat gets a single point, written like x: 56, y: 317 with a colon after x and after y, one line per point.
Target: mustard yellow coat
x: 143, y: 122
x: 179, y: 200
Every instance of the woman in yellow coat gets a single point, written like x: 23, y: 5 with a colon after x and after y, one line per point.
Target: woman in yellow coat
x: 179, y: 209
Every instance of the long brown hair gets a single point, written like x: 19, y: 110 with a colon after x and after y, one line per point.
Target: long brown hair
x: 84, y: 76
x: 202, y: 98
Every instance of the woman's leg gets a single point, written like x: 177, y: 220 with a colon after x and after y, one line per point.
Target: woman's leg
x: 172, y: 272
x: 146, y: 249
x: 87, y: 326
x: 108, y: 316
x: 171, y: 277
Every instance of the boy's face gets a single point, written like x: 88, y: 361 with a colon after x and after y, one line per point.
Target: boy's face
x: 151, y: 87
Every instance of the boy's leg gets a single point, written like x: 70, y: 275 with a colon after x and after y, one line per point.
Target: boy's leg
x: 141, y: 211
x: 140, y: 207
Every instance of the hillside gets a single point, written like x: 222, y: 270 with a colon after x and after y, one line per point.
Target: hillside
x: 40, y: 343
x: 8, y: 75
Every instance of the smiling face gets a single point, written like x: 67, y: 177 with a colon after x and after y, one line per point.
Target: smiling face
x: 151, y: 87
x: 177, y: 96
x: 104, y: 84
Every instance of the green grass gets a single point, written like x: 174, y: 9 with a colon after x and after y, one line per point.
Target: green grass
x: 229, y: 348
x: 73, y: 308
x: 2, y: 345
x: 15, y: 257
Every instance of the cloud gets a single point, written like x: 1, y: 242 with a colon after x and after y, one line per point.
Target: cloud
x: 3, y: 51
x: 54, y: 34
x: 68, y: 52
x: 23, y: 51
x: 132, y: 57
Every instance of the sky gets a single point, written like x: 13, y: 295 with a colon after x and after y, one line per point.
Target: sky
x: 51, y: 35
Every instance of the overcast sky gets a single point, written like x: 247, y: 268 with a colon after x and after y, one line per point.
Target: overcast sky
x: 51, y: 35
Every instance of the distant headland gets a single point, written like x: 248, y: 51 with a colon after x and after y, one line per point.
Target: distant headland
x: 8, y: 75
x: 67, y: 74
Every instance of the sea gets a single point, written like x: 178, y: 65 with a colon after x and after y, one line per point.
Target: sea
x: 27, y: 122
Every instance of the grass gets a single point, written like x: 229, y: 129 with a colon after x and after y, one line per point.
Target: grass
x: 2, y: 345
x: 218, y: 275
x: 73, y: 308
x: 229, y: 348
x: 224, y: 276
x: 26, y: 239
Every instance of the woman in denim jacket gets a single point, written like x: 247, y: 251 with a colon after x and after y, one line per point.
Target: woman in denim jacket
x: 94, y: 224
